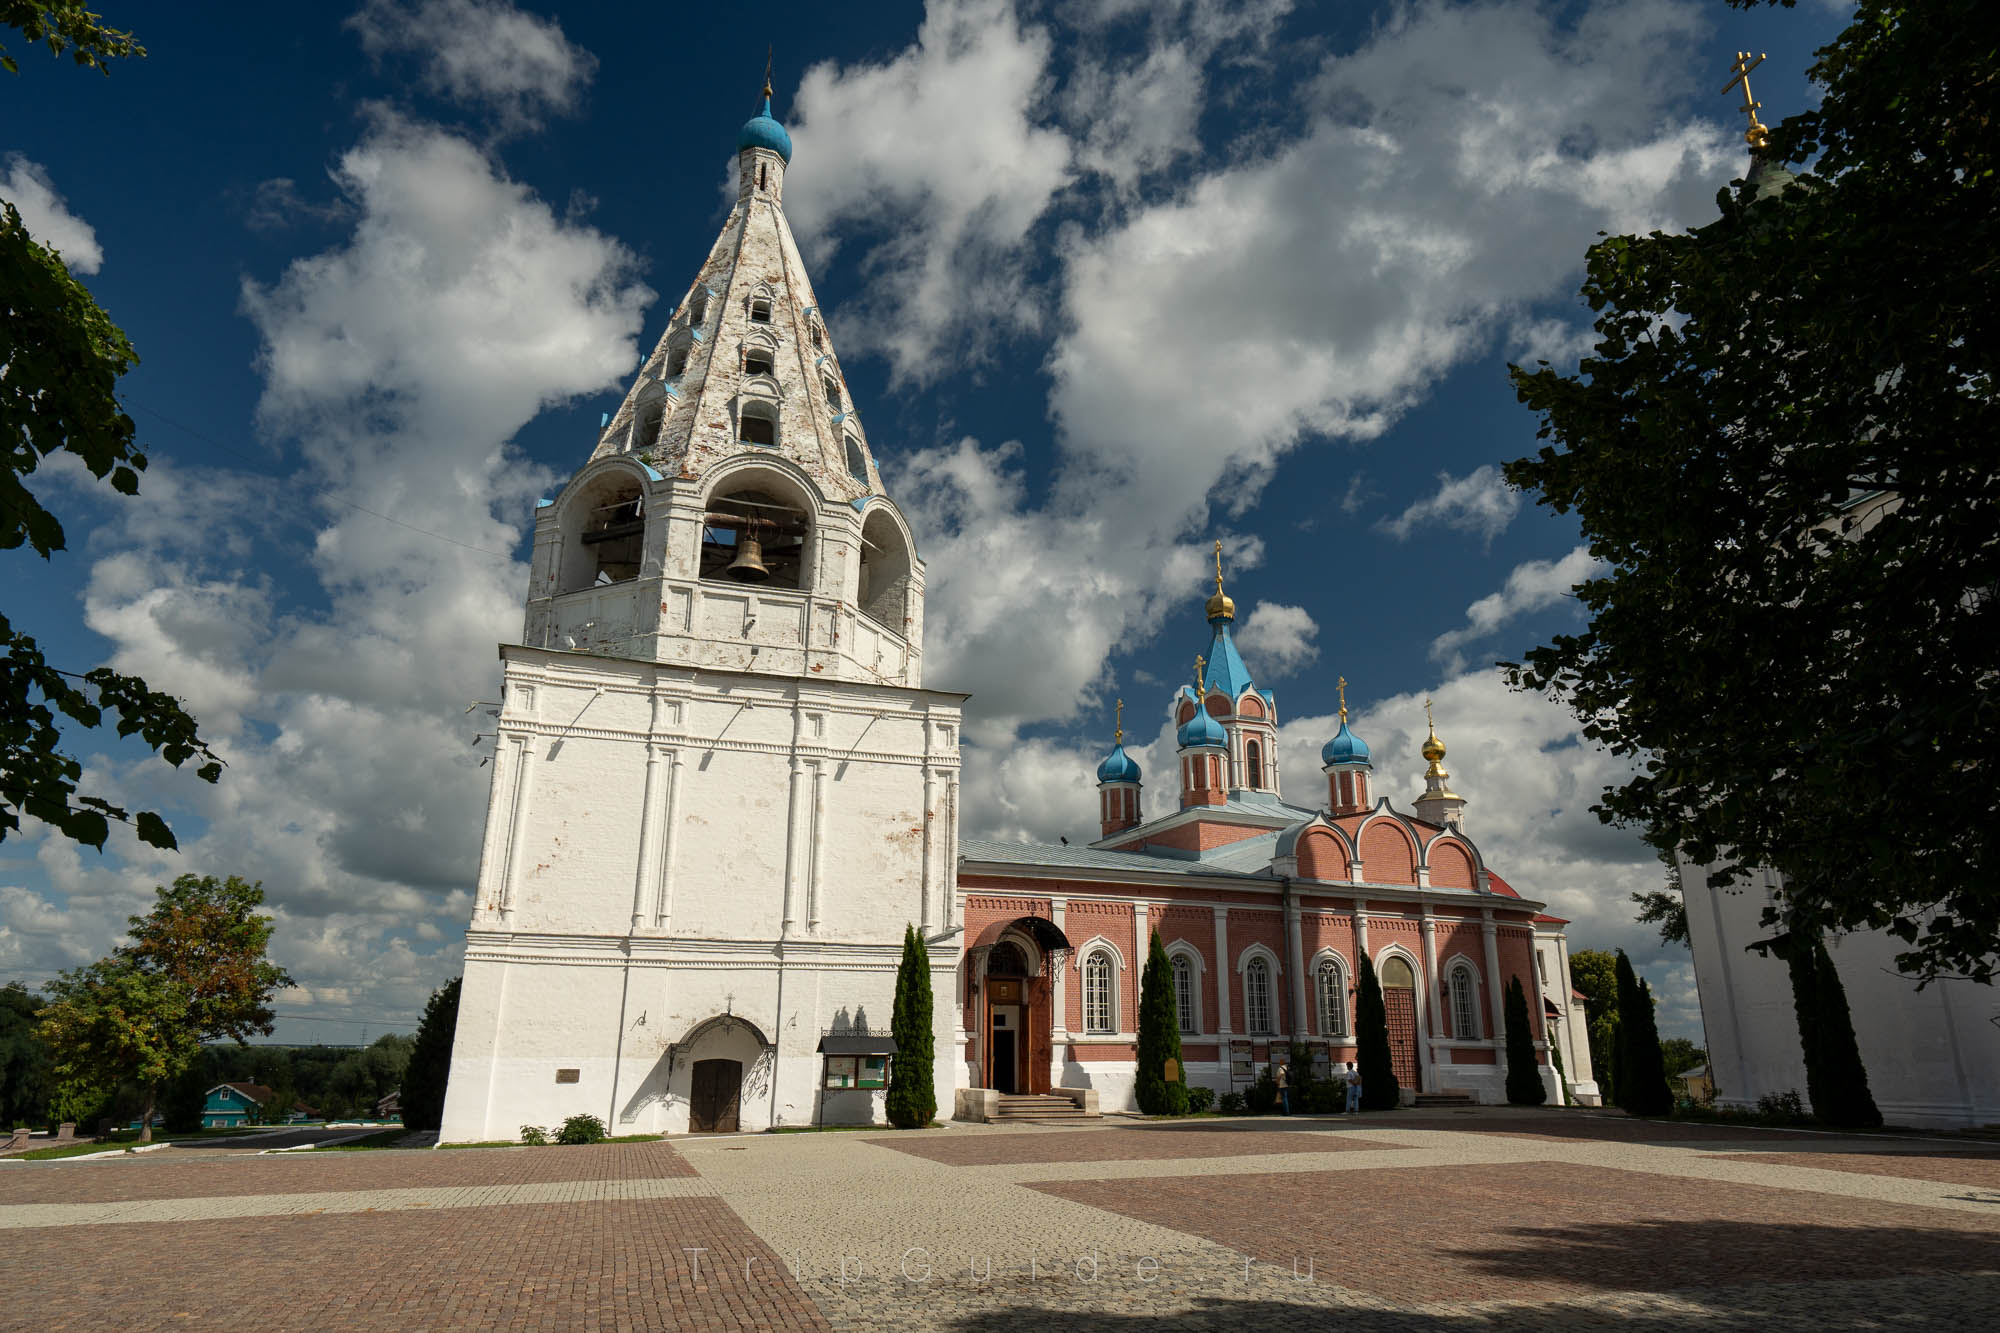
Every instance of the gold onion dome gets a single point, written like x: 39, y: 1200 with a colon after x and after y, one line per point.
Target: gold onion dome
x: 1433, y: 748
x: 1220, y: 606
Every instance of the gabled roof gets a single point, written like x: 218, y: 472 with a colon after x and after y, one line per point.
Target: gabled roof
x: 255, y: 1092
x: 1248, y: 853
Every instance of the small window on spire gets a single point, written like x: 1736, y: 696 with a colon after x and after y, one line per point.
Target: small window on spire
x: 819, y: 339
x: 832, y: 392
x: 677, y: 360
x: 760, y: 178
x: 857, y: 462
x: 1253, y: 755
x: 698, y: 308
x: 757, y: 361
x: 758, y: 425
x: 760, y: 310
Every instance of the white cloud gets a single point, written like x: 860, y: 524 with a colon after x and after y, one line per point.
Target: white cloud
x: 1479, y: 502
x: 1307, y: 292
x: 1558, y: 342
x: 1277, y: 639
x: 401, y: 362
x: 1533, y: 585
x: 934, y: 162
x: 27, y: 186
x: 486, y: 54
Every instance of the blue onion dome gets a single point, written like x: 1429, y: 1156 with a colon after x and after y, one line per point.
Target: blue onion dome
x: 1201, y: 729
x: 1118, y: 767
x: 761, y: 131
x: 1345, y: 747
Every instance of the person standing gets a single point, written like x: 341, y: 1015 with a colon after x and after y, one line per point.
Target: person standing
x: 1353, y: 1087
x: 1285, y: 1088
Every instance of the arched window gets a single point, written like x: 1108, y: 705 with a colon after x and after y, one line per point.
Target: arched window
x: 1006, y: 961
x: 757, y: 424
x: 760, y: 310
x: 606, y: 530
x: 1186, y: 1002
x: 857, y: 462
x: 832, y: 391
x: 1253, y: 758
x: 750, y: 535
x: 677, y: 360
x: 1257, y: 996
x: 819, y: 339
x: 1098, y: 1015
x: 882, y: 592
x: 1464, y: 1004
x: 1332, y: 999
x: 757, y: 361
x: 698, y: 308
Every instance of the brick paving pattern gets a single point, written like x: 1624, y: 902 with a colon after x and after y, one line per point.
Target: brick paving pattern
x: 1440, y: 1223
x: 1463, y: 1233
x: 1959, y: 1168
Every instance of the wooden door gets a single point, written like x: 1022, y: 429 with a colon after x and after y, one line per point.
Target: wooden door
x: 713, y: 1098
x: 1401, y: 1004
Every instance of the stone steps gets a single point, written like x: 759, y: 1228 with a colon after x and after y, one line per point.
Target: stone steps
x: 1445, y: 1099
x: 1039, y: 1106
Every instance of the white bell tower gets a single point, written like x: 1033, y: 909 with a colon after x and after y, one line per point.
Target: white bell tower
x: 720, y: 791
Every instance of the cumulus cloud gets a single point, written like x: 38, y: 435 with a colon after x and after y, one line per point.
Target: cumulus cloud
x: 1480, y: 502
x: 485, y: 54
x: 1277, y: 639
x: 1533, y: 585
x: 399, y: 363
x: 933, y: 163
x: 27, y: 186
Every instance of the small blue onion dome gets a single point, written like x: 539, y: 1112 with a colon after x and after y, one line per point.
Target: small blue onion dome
x: 761, y: 131
x: 1345, y: 748
x: 1118, y: 767
x: 1201, y: 729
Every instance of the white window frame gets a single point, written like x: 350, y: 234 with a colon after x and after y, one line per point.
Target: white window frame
x: 1258, y: 1017
x: 1338, y: 996
x: 1100, y: 993
x: 1187, y: 999
x: 1462, y: 997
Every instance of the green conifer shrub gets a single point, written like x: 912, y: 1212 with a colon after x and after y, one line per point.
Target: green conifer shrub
x: 912, y: 1097
x: 1524, y: 1074
x: 1642, y: 1072
x: 1159, y: 1037
x: 1379, y: 1089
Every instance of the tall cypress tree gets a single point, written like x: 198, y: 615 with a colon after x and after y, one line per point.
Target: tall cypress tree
x: 912, y: 1099
x: 1379, y: 1089
x: 1836, y: 1080
x: 1159, y: 1037
x: 430, y: 1060
x: 1642, y: 1072
x: 1524, y: 1074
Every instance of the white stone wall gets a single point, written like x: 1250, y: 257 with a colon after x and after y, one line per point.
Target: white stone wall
x: 1932, y: 1056
x: 667, y: 845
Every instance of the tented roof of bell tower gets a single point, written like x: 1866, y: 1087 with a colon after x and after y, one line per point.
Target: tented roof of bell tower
x: 746, y: 364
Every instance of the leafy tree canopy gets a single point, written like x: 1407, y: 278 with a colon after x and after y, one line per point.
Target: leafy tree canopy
x: 65, y: 25
x: 62, y: 357
x: 1783, y: 451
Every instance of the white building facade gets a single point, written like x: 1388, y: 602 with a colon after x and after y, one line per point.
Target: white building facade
x: 720, y: 791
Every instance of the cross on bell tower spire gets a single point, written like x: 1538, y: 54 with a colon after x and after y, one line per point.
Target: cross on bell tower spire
x: 1757, y: 134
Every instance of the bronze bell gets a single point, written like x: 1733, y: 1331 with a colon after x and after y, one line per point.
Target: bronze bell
x: 748, y: 566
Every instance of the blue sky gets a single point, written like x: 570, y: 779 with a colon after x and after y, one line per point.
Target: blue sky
x: 1109, y: 282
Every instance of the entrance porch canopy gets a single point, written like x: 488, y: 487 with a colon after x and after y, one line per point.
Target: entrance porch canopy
x: 1046, y: 934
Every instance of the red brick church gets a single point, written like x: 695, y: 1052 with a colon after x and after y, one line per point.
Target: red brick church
x: 1264, y: 905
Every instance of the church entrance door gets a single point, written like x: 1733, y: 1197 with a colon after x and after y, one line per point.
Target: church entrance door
x: 1399, y: 999
x: 714, y: 1096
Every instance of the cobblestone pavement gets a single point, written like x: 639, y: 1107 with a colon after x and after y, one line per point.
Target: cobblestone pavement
x: 1435, y: 1222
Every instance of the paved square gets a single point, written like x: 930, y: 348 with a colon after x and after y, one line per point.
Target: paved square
x: 1413, y: 1221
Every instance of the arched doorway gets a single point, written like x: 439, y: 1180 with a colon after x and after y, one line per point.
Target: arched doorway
x: 1011, y: 967
x: 1399, y: 1000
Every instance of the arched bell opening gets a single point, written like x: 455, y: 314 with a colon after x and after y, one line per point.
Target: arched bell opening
x: 755, y: 533
x: 604, y: 533
x: 883, y: 593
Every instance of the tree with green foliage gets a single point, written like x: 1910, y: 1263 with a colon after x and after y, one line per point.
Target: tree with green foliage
x: 194, y: 970
x: 1379, y: 1089
x: 65, y: 25
x: 1641, y: 1078
x: 1524, y: 1072
x: 1665, y: 908
x: 1680, y: 1054
x: 1159, y: 1037
x: 1836, y: 1079
x: 912, y: 1099
x: 27, y: 1075
x: 63, y: 357
x: 1594, y: 974
x: 365, y: 1077
x: 429, y: 1069
x: 1782, y: 452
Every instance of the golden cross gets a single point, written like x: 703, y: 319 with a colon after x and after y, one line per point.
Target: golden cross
x: 1120, y: 740
x: 1218, y: 564
x: 1756, y: 134
x: 1343, y: 698
x: 767, y: 72
x: 1199, y: 688
x: 1427, y: 714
